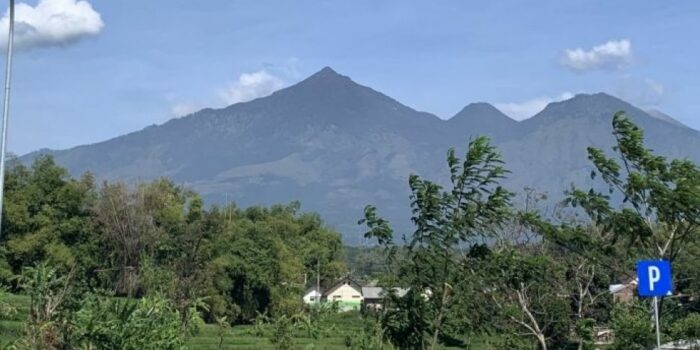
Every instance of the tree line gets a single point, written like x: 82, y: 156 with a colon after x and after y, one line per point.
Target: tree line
x: 476, y: 264
x: 83, y: 250
x: 118, y: 266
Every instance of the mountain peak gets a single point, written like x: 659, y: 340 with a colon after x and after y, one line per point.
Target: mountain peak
x: 597, y: 105
x: 482, y: 118
x: 480, y: 110
x: 327, y: 74
x: 327, y: 70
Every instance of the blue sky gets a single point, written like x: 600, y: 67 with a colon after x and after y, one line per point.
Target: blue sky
x: 116, y: 66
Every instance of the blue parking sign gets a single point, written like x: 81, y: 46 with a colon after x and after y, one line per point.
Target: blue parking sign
x: 654, y: 278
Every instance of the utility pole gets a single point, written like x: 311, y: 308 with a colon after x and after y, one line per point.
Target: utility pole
x: 318, y: 279
x: 6, y: 105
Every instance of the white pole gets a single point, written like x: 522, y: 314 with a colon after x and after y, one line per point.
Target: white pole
x: 6, y: 105
x: 656, y: 319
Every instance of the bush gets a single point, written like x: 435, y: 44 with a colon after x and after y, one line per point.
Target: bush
x: 115, y: 324
x: 687, y: 328
x: 633, y: 328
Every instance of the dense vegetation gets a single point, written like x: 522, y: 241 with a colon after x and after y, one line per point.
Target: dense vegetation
x: 476, y: 265
x: 155, y: 241
x: 114, y: 266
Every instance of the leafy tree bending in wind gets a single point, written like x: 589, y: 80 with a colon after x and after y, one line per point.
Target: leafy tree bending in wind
x: 429, y: 264
x: 661, y: 211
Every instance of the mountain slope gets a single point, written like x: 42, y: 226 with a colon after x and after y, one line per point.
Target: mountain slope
x: 336, y: 146
x: 551, y: 153
x: 665, y: 117
x: 327, y: 141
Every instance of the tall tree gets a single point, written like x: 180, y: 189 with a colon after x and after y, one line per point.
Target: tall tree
x: 46, y: 217
x: 660, y: 215
x: 429, y: 264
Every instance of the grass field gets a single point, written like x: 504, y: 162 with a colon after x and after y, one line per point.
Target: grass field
x: 237, y: 337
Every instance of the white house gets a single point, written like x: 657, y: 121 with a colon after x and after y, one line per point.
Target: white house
x: 347, y: 294
x: 312, y: 295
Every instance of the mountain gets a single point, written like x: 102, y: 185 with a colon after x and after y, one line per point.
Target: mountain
x: 665, y: 117
x: 336, y: 146
x: 482, y: 119
x: 550, y: 154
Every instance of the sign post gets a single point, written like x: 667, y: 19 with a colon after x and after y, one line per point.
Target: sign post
x: 654, y: 281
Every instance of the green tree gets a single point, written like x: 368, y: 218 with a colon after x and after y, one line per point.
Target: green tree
x: 633, y: 329
x: 430, y: 265
x: 46, y: 216
x: 661, y: 212
x: 260, y: 260
x: 49, y: 293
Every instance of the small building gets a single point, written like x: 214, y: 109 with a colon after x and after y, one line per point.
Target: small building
x: 312, y: 295
x: 374, y: 297
x: 346, y: 293
x: 623, y: 292
x: 603, y: 336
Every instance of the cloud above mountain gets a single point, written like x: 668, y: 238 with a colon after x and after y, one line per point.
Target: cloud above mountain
x: 51, y: 23
x: 614, y: 54
x: 184, y: 108
x: 251, y: 86
x: 526, y: 109
x: 644, y: 92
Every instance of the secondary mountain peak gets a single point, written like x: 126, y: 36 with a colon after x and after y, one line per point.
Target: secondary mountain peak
x: 587, y: 106
x: 481, y: 111
x: 482, y: 118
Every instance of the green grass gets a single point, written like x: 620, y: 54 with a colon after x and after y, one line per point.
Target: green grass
x: 242, y: 337
x: 239, y: 337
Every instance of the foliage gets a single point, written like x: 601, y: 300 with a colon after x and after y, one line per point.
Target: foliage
x: 46, y: 218
x: 527, y: 292
x: 661, y: 214
x: 128, y: 266
x: 687, y: 328
x: 260, y: 259
x: 633, y: 328
x: 6, y: 309
x: 223, y: 326
x: 282, y: 332
x: 158, y: 238
x: 429, y: 266
x: 371, y: 337
x: 48, y: 292
x: 315, y: 320
x: 116, y: 324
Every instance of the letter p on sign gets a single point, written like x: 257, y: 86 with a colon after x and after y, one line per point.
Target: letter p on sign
x: 654, y: 278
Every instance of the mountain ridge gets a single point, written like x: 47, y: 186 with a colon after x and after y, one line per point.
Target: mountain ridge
x: 337, y: 145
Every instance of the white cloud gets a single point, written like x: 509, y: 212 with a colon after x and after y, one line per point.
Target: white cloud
x: 527, y: 109
x: 614, y: 54
x: 251, y: 86
x: 183, y: 109
x: 51, y: 23
x: 644, y: 93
